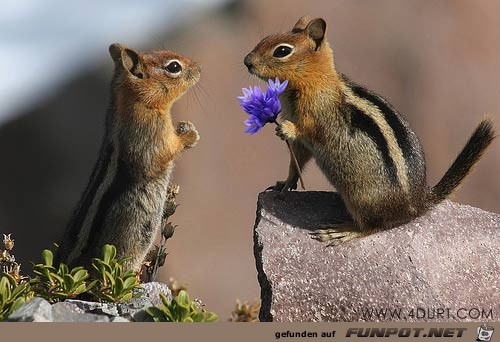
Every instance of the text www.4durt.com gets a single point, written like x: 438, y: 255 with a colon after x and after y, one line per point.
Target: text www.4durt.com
x: 426, y: 313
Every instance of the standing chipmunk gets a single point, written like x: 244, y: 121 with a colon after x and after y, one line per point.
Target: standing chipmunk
x: 125, y: 197
x: 360, y: 142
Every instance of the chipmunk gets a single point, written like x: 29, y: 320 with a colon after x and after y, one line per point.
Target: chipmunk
x: 361, y: 143
x: 124, y: 200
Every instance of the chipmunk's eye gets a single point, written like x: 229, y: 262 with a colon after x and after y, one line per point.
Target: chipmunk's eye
x: 173, y: 67
x: 282, y: 50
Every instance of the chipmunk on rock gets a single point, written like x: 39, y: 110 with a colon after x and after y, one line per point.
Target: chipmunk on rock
x: 124, y: 200
x: 360, y: 142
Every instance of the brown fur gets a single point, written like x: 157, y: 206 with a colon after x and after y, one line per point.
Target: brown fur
x: 362, y: 145
x: 123, y: 203
x: 147, y: 101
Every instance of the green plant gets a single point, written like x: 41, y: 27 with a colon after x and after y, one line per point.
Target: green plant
x: 12, y: 295
x: 55, y: 284
x: 112, y: 284
x: 180, y: 309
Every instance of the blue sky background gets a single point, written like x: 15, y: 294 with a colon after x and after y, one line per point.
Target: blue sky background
x: 42, y: 43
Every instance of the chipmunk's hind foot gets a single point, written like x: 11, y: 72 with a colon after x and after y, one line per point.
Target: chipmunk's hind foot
x: 336, y: 234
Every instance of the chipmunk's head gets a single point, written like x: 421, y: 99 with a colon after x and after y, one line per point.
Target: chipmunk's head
x: 154, y: 78
x: 298, y: 55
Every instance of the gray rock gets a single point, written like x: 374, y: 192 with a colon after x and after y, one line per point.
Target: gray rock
x: 150, y: 297
x: 446, y: 259
x: 36, y: 310
x: 72, y: 310
x: 152, y: 291
x: 119, y: 319
x: 68, y: 312
x: 110, y: 309
x: 132, y: 309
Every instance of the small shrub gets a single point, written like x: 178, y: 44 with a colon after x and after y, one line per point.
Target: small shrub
x: 180, y: 309
x: 12, y: 295
x: 112, y: 284
x: 55, y: 284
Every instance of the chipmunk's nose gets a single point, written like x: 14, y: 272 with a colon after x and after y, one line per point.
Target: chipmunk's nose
x: 248, y: 61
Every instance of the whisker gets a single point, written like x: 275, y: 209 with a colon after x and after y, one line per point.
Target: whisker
x: 201, y: 88
x: 200, y: 96
x: 194, y: 96
x: 188, y: 101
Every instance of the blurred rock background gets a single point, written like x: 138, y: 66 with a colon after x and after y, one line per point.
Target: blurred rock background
x: 438, y: 62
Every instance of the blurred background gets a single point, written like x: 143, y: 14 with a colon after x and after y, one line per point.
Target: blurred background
x: 438, y: 62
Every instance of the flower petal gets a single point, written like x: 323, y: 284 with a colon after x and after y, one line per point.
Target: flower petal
x: 262, y: 107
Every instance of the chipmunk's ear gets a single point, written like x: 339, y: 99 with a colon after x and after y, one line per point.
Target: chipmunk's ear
x: 301, y: 24
x: 127, y: 58
x: 316, y: 30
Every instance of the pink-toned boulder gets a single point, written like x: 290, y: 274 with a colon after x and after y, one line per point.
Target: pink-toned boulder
x: 443, y: 266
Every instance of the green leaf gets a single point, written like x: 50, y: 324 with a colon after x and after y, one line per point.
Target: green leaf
x: 198, y: 316
x: 11, y: 279
x: 80, y: 275
x: 58, y: 278
x: 156, y: 314
x: 76, y: 269
x: 63, y: 269
x: 6, y: 292
x: 129, y: 274
x: 92, y: 284
x: 102, y: 268
x: 69, y: 282
x: 17, y: 304
x: 183, y: 299
x: 118, y: 289
x: 109, y: 253
x: 110, y: 278
x: 188, y: 319
x: 80, y: 289
x: 164, y: 299
x: 168, y: 314
x: 117, y: 271
x: 47, y: 257
x: 19, y: 289
x: 44, y: 273
x: 211, y: 317
x: 4, y: 289
x: 109, y: 298
x: 126, y: 297
x: 122, y: 260
x: 180, y: 311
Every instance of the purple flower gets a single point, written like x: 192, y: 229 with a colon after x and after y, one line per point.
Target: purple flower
x: 262, y: 107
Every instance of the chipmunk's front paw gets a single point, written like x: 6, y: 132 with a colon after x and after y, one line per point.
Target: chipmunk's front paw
x: 188, y: 133
x: 286, y: 130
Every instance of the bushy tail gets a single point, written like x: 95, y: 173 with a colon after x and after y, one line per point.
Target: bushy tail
x: 461, y: 167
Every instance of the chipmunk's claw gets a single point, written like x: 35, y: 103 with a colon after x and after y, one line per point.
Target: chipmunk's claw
x: 337, y: 234
x: 283, y: 186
